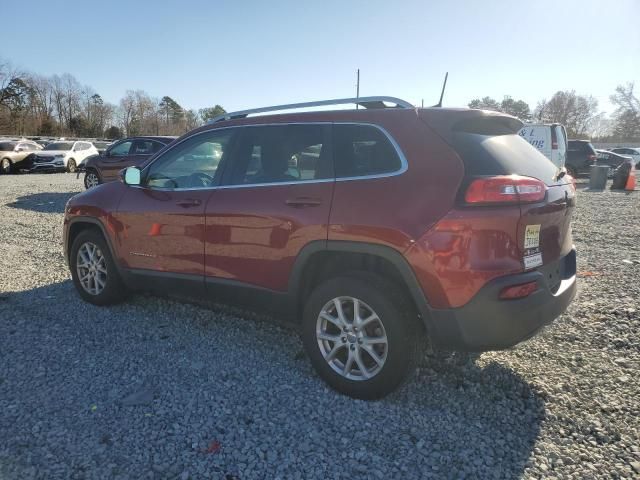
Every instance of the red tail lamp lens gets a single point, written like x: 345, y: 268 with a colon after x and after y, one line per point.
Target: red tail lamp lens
x: 505, y: 189
x: 518, y: 291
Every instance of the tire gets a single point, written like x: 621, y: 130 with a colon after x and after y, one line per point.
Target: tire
x: 397, y: 322
x: 91, y: 179
x: 6, y: 166
x: 571, y: 170
x: 113, y: 289
x: 71, y: 166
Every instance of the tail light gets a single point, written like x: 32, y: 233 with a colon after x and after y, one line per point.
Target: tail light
x: 505, y: 189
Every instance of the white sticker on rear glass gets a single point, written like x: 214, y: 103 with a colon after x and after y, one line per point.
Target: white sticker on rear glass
x: 532, y: 237
x: 532, y: 261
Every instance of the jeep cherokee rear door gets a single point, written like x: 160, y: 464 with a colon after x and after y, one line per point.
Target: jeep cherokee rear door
x: 275, y: 199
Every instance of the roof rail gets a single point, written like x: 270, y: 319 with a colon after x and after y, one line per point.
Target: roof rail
x: 366, y: 102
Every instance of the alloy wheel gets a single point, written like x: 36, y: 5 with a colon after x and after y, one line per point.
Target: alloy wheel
x: 91, y: 180
x: 91, y: 267
x: 352, y: 338
x: 6, y: 166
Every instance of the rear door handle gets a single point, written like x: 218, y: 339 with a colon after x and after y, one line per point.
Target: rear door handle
x: 303, y: 202
x: 189, y: 202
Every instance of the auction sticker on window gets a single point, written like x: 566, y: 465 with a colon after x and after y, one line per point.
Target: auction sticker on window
x: 532, y: 237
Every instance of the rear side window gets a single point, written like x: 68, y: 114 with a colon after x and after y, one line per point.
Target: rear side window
x: 361, y: 150
x: 142, y: 147
x: 281, y: 154
x: 157, y: 146
x: 502, y: 155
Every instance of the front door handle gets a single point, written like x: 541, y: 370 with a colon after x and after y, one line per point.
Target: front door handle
x: 189, y: 202
x: 303, y: 202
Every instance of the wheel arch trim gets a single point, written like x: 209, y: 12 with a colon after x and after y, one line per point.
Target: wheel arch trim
x: 388, y: 253
x: 93, y: 222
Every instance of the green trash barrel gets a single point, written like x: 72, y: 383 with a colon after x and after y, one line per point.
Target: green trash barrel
x: 598, y: 178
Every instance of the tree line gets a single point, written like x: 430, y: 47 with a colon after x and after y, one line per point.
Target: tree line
x: 32, y: 104
x: 59, y: 105
x: 578, y: 113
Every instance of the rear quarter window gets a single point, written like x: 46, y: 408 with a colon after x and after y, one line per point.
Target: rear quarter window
x: 363, y: 150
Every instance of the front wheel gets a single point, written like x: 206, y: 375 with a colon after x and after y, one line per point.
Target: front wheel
x: 361, y: 335
x: 94, y: 271
x: 91, y: 179
x: 71, y: 166
x: 6, y: 166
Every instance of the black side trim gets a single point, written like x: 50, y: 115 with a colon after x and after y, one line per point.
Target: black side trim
x: 98, y: 223
x: 163, y: 282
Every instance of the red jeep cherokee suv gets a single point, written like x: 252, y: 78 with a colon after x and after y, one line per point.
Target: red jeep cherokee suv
x: 377, y: 229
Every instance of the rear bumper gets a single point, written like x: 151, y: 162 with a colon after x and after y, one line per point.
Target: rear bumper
x: 488, y: 323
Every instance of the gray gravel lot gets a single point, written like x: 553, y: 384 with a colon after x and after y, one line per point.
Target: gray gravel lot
x: 156, y: 388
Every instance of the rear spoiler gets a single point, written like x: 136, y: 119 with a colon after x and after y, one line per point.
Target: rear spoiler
x: 446, y: 122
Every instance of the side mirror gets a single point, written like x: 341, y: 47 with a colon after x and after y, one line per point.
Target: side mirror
x: 132, y: 176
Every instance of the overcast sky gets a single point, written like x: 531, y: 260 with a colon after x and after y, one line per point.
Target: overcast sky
x: 248, y: 54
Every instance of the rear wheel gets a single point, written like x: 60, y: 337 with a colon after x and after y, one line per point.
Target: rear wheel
x: 361, y: 335
x: 6, y: 166
x: 93, y: 270
x: 71, y: 166
x: 91, y: 179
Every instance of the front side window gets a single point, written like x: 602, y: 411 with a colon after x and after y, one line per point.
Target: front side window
x: 121, y: 149
x: 282, y: 154
x: 361, y: 150
x: 192, y: 164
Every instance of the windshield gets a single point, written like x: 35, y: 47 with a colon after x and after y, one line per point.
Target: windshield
x: 59, y: 146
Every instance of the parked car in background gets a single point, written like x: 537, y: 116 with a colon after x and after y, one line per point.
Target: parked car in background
x: 101, y: 146
x: 580, y: 157
x: 13, y: 153
x: 632, y: 152
x: 379, y: 230
x: 133, y: 151
x: 549, y: 139
x: 611, y: 159
x: 60, y: 156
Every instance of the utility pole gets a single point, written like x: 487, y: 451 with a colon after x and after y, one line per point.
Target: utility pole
x: 357, y: 87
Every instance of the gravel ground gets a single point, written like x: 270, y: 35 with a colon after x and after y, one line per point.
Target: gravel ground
x: 156, y: 388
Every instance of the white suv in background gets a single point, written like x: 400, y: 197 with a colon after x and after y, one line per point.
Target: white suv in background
x: 62, y: 155
x: 634, y: 153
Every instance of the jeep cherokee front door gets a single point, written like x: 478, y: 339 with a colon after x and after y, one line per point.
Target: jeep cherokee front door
x: 163, y: 219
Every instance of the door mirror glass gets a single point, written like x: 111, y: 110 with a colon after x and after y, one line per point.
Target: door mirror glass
x: 132, y: 176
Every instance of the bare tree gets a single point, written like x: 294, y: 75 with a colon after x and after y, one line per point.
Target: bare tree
x: 569, y: 109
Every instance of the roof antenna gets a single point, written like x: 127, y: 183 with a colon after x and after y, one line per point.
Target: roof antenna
x: 444, y: 85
